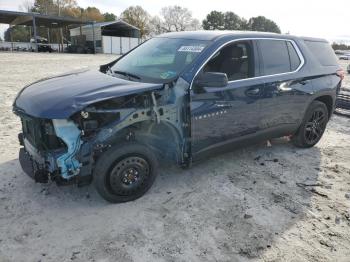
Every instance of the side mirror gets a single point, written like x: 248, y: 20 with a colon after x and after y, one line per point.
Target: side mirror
x: 211, y: 79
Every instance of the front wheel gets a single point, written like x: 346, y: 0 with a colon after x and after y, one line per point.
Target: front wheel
x: 313, y: 126
x: 125, y: 173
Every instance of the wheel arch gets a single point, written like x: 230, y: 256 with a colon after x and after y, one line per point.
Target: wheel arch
x: 164, y: 138
x: 328, y: 101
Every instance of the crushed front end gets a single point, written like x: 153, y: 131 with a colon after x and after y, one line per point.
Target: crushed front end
x: 69, y: 121
x: 50, y: 149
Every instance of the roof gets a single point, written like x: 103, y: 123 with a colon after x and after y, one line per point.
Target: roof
x: 213, y: 34
x: 119, y: 23
x: 23, y: 18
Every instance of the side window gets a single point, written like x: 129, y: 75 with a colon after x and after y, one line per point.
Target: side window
x: 323, y: 52
x: 293, y: 55
x: 235, y: 60
x: 275, y: 56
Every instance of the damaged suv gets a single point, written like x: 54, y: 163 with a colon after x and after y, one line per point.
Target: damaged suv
x: 178, y: 97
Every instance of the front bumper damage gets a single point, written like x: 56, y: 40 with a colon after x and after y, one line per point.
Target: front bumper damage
x: 60, y: 165
x: 28, y: 167
x: 65, y: 150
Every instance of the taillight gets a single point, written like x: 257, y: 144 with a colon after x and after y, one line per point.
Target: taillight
x: 341, y: 74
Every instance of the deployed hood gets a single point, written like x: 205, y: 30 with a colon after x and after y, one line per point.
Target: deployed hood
x: 61, y: 96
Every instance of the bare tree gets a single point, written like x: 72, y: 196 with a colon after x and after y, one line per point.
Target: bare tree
x: 156, y: 26
x: 177, y: 18
x: 27, y: 5
x: 137, y: 16
x: 195, y: 25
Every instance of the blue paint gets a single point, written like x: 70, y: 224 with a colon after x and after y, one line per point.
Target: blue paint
x: 204, y: 120
x: 70, y: 134
x: 61, y: 96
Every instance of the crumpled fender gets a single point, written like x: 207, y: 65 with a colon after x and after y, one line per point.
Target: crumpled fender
x: 61, y: 96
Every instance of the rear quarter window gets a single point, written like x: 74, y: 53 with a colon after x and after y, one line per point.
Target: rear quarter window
x: 323, y: 52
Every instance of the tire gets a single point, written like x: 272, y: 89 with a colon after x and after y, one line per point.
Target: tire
x: 313, y: 126
x: 125, y: 172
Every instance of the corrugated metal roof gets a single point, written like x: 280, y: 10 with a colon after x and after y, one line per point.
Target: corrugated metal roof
x: 23, y: 18
x: 116, y: 22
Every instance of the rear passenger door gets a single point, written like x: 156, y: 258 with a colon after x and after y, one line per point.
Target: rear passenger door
x: 284, y: 95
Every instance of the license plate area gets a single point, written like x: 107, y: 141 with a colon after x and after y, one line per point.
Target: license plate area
x: 33, y: 152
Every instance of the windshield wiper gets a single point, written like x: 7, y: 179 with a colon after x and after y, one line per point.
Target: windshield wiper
x: 129, y: 75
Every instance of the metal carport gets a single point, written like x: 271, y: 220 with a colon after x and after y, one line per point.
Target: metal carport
x: 35, y: 19
x: 117, y: 35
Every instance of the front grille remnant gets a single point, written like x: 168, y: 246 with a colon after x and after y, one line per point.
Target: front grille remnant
x: 41, y: 134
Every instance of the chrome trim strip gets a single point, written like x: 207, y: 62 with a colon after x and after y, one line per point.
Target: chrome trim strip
x: 301, y: 57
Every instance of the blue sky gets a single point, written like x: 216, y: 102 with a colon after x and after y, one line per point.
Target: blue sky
x: 327, y: 19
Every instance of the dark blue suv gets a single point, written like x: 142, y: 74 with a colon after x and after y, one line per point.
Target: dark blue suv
x: 179, y: 97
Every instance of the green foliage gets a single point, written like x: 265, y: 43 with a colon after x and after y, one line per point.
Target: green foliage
x: 17, y: 34
x: 108, y: 17
x: 233, y: 21
x: 216, y: 20
x: 92, y: 14
x: 340, y: 46
x: 262, y: 24
x: 56, y: 7
x: 172, y: 18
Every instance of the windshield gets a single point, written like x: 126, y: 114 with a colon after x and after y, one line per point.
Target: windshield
x: 159, y: 60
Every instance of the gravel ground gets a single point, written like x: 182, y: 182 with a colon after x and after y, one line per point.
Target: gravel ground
x: 260, y: 203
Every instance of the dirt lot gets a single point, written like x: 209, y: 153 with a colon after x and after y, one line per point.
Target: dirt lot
x: 260, y: 203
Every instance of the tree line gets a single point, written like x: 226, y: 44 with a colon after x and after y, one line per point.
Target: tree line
x: 340, y: 46
x: 170, y: 19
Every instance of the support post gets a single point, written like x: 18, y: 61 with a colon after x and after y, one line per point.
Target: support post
x: 35, y: 37
x: 11, y: 38
x: 67, y: 33
x: 93, y: 36
x: 120, y: 45
x: 61, y: 39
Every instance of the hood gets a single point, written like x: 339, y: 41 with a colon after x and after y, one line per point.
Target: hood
x: 61, y: 96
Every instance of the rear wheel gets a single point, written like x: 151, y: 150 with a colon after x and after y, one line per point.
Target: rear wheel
x: 313, y: 126
x: 125, y: 173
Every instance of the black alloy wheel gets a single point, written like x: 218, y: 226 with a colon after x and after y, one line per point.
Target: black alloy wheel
x: 313, y: 126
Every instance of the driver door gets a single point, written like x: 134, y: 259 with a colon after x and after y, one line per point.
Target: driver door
x: 222, y: 116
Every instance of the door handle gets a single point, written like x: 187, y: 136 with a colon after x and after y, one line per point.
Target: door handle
x: 284, y: 87
x: 253, y: 91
